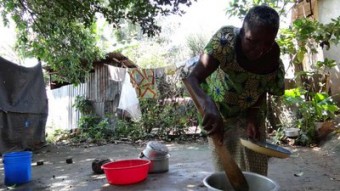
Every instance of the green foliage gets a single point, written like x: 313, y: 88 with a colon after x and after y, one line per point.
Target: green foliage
x: 147, y: 54
x: 128, y: 129
x: 325, y: 65
x: 95, y: 128
x: 157, y: 121
x: 325, y: 107
x: 163, y: 118
x: 57, y: 135
x: 196, y: 43
x: 239, y: 8
x: 91, y: 126
x: 57, y: 33
x: 304, y: 36
x: 150, y: 114
x: 279, y: 135
x: 163, y: 121
x: 320, y: 108
x: 83, y: 105
x: 294, y: 96
x: 305, y: 112
x: 64, y: 34
x: 169, y: 119
x: 306, y: 138
x: 89, y: 122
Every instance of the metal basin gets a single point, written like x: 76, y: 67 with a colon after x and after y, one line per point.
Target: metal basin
x: 218, y: 182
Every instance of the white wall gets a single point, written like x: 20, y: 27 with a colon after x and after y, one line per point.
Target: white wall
x: 328, y: 9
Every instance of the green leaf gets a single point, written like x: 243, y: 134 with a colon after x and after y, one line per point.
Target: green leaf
x: 64, y: 34
x: 318, y: 97
x: 292, y: 92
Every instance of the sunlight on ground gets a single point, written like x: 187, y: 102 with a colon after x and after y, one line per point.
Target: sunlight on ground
x: 45, y: 163
x: 193, y: 148
x: 172, y: 146
x: 64, y: 182
x: 191, y: 186
x: 61, y: 177
x: 97, y: 177
x: 106, y: 185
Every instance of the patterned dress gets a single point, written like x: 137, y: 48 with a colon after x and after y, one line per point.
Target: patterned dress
x: 234, y: 90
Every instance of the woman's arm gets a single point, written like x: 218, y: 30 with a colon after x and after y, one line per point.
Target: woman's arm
x: 212, y: 120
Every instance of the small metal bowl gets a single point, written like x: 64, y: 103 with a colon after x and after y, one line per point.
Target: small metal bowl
x: 292, y: 132
x: 155, y: 149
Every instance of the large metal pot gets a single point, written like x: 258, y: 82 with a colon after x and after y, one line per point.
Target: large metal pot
x: 159, y: 156
x: 218, y: 181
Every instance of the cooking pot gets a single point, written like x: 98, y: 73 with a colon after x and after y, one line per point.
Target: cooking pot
x: 218, y: 182
x: 159, y: 156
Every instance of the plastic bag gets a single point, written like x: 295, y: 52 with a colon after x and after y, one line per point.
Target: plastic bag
x: 128, y: 99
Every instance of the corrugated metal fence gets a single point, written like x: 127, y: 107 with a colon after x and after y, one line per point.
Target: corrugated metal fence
x: 103, y: 92
x: 61, y: 114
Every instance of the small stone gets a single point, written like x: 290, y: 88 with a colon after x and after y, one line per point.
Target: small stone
x: 69, y: 161
x: 97, y: 164
x: 39, y: 163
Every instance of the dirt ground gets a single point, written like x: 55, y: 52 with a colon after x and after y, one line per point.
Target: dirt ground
x: 316, y: 169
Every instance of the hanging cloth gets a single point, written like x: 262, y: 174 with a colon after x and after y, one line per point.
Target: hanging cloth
x: 143, y: 80
x: 116, y: 73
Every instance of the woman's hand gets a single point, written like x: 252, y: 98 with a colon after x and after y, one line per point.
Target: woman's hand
x: 252, y: 117
x: 212, y: 120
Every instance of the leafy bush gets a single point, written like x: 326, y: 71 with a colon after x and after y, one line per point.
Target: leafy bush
x: 83, y: 105
x: 95, y: 128
x: 128, y: 129
x: 162, y: 118
x: 159, y: 119
x: 321, y: 107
